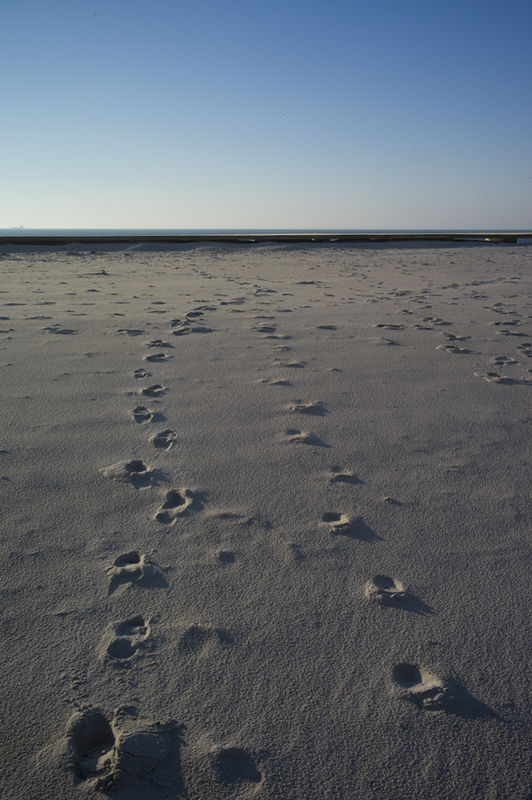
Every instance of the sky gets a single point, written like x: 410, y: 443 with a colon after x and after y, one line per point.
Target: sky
x: 284, y: 114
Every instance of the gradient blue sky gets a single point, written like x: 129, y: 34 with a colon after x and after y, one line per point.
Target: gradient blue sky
x: 211, y: 114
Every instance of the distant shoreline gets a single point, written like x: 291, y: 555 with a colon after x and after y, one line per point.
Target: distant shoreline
x: 259, y: 237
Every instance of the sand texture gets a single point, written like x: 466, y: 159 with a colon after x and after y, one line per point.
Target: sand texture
x: 266, y: 522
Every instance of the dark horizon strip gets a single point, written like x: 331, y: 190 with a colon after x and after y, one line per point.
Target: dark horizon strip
x: 503, y: 237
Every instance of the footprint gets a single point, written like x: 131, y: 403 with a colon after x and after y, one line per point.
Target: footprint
x: 390, y: 327
x: 176, y: 503
x: 127, y: 569
x: 196, y: 637
x: 153, y: 391
x: 91, y: 740
x: 384, y: 590
x: 265, y: 328
x: 453, y: 348
x: 141, y: 373
x: 296, y: 436
x: 454, y: 337
x: 326, y: 327
x: 157, y: 343
x: 526, y: 349
x: 60, y: 330
x: 226, y: 556
x: 142, y: 414
x: 164, y: 440
x: 131, y: 331
x: 234, y: 766
x: 420, y: 686
x: 494, y: 377
x: 317, y: 409
x: 136, y: 472
x: 337, y: 475
x: 503, y: 361
x: 339, y: 523
x: 353, y: 527
x: 154, y: 357
x: 129, y: 637
x: 290, y: 364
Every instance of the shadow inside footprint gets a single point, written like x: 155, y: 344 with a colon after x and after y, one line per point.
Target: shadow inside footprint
x: 234, y: 765
x: 338, y: 475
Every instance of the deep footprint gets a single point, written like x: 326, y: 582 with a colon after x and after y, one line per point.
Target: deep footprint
x: 164, y: 440
x: 385, y: 590
x: 142, y: 414
x: 420, y: 686
x: 176, y: 503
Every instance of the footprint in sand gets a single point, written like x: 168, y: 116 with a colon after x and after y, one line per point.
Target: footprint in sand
x: 141, y: 373
x: 264, y: 328
x: 127, y: 569
x: 136, y: 472
x: 234, y: 767
x: 177, y: 502
x: 153, y: 391
x: 494, y: 377
x: 290, y: 364
x: 503, y: 361
x: 60, y: 330
x: 453, y: 348
x: 131, y: 331
x: 164, y: 440
x: 142, y: 414
x: 337, y: 475
x: 354, y: 527
x: 128, y: 637
x: 339, y: 523
x: 155, y: 357
x: 389, y: 326
x: 105, y: 750
x: 385, y: 590
x: 196, y: 637
x: 525, y: 348
x: 420, y: 686
x: 317, y: 409
x: 157, y: 343
x: 295, y: 436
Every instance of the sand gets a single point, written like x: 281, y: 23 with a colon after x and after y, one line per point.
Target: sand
x: 266, y: 522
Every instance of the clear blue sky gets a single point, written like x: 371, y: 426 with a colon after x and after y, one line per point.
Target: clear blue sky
x: 243, y: 114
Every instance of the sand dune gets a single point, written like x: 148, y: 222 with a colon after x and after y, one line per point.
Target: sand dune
x: 266, y: 522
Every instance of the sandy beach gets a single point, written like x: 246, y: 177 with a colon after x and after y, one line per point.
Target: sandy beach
x: 266, y: 522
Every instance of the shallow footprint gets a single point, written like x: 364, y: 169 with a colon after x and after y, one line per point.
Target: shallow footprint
x: 176, y: 503
x: 420, y: 686
x: 317, y: 409
x: 384, y: 590
x: 141, y: 373
x: 340, y: 523
x: 153, y: 391
x: 164, y: 440
x: 155, y: 357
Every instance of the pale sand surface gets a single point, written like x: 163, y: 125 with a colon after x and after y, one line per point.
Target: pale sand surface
x: 204, y: 619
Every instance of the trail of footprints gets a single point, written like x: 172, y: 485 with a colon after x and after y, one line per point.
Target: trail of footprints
x: 107, y: 750
x: 103, y: 750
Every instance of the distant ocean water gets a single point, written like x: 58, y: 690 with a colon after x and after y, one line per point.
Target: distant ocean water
x: 236, y: 231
